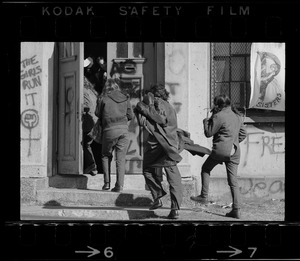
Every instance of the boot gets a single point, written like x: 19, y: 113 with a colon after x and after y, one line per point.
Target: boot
x: 117, y: 189
x: 173, y: 214
x: 200, y: 199
x: 156, y: 204
x: 106, y: 186
x: 234, y: 213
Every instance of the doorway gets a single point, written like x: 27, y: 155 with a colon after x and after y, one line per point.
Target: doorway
x: 72, y: 56
x: 95, y: 73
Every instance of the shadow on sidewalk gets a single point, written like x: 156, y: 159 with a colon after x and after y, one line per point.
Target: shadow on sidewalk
x: 134, y: 212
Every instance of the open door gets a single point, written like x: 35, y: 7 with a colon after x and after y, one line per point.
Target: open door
x: 70, y: 101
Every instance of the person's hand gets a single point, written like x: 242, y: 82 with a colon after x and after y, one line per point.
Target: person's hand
x: 140, y: 107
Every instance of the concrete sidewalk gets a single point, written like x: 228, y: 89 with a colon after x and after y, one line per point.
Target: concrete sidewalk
x: 113, y: 213
x: 257, y: 210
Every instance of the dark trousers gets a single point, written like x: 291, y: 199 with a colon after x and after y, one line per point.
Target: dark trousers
x: 97, y: 151
x: 153, y: 180
x: 231, y: 169
x: 88, y: 157
x: 118, y: 141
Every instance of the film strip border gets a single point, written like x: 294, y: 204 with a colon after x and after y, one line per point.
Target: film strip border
x: 168, y: 21
x: 154, y: 241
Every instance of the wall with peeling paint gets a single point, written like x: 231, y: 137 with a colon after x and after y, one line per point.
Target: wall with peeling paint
x: 34, y: 88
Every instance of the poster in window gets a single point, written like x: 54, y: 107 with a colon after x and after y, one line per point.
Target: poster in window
x: 268, y: 76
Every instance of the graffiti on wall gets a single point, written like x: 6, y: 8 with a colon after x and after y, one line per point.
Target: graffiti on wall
x: 262, y: 187
x: 30, y: 82
x: 262, y: 143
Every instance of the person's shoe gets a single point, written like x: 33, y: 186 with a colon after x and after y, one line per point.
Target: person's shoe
x: 173, y: 214
x: 234, y: 213
x: 116, y: 189
x: 200, y: 199
x: 156, y: 204
x: 106, y: 186
x: 93, y: 172
x: 90, y: 168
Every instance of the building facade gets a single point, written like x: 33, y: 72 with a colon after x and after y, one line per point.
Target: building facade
x: 51, y: 85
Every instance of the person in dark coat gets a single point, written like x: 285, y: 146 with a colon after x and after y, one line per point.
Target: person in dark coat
x: 88, y: 121
x: 227, y: 129
x: 114, y: 109
x: 161, y: 149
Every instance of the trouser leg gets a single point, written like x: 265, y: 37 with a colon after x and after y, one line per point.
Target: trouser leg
x: 121, y: 151
x: 88, y: 157
x: 106, y: 165
x: 231, y: 169
x: 174, y: 180
x: 153, y: 182
x: 106, y: 157
x: 97, y: 150
x: 207, y: 167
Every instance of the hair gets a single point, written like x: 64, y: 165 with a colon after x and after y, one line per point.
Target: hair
x: 160, y: 91
x: 221, y: 101
x: 109, y: 86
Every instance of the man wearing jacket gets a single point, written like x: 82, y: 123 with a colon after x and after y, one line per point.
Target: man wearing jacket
x: 161, y: 150
x: 227, y: 129
x: 114, y: 110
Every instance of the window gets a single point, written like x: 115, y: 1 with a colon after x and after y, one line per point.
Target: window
x: 67, y: 50
x: 129, y: 50
x: 230, y: 72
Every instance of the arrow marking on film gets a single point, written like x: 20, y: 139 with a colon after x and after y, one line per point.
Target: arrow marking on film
x: 92, y: 253
x: 235, y: 251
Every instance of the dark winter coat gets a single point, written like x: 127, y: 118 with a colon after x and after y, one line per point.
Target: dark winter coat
x: 162, y: 144
x: 228, y: 131
x: 114, y: 110
x: 89, y: 105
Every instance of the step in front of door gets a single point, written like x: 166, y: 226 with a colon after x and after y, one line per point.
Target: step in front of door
x: 72, y: 197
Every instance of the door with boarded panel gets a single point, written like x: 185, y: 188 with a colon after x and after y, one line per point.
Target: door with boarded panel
x: 70, y: 99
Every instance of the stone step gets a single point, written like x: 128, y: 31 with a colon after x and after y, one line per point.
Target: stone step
x: 92, y: 197
x: 87, y: 189
x: 131, y: 182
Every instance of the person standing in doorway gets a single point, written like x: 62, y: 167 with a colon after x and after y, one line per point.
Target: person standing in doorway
x: 114, y: 109
x: 101, y: 74
x: 227, y: 129
x: 161, y: 149
x: 88, y: 120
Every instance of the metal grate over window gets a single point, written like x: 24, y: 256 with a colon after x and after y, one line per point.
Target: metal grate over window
x: 230, y: 72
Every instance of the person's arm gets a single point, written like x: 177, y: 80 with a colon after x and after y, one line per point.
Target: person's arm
x: 99, y: 108
x: 150, y: 113
x: 242, y: 133
x: 129, y: 113
x: 211, y: 125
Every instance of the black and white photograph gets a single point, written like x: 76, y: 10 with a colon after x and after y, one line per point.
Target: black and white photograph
x: 152, y: 131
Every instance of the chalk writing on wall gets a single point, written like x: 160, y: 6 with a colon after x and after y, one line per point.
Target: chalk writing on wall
x: 259, y: 188
x: 30, y: 82
x: 264, y: 142
x: 172, y: 88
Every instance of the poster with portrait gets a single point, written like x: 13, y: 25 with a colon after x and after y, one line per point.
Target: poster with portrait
x: 267, y: 76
